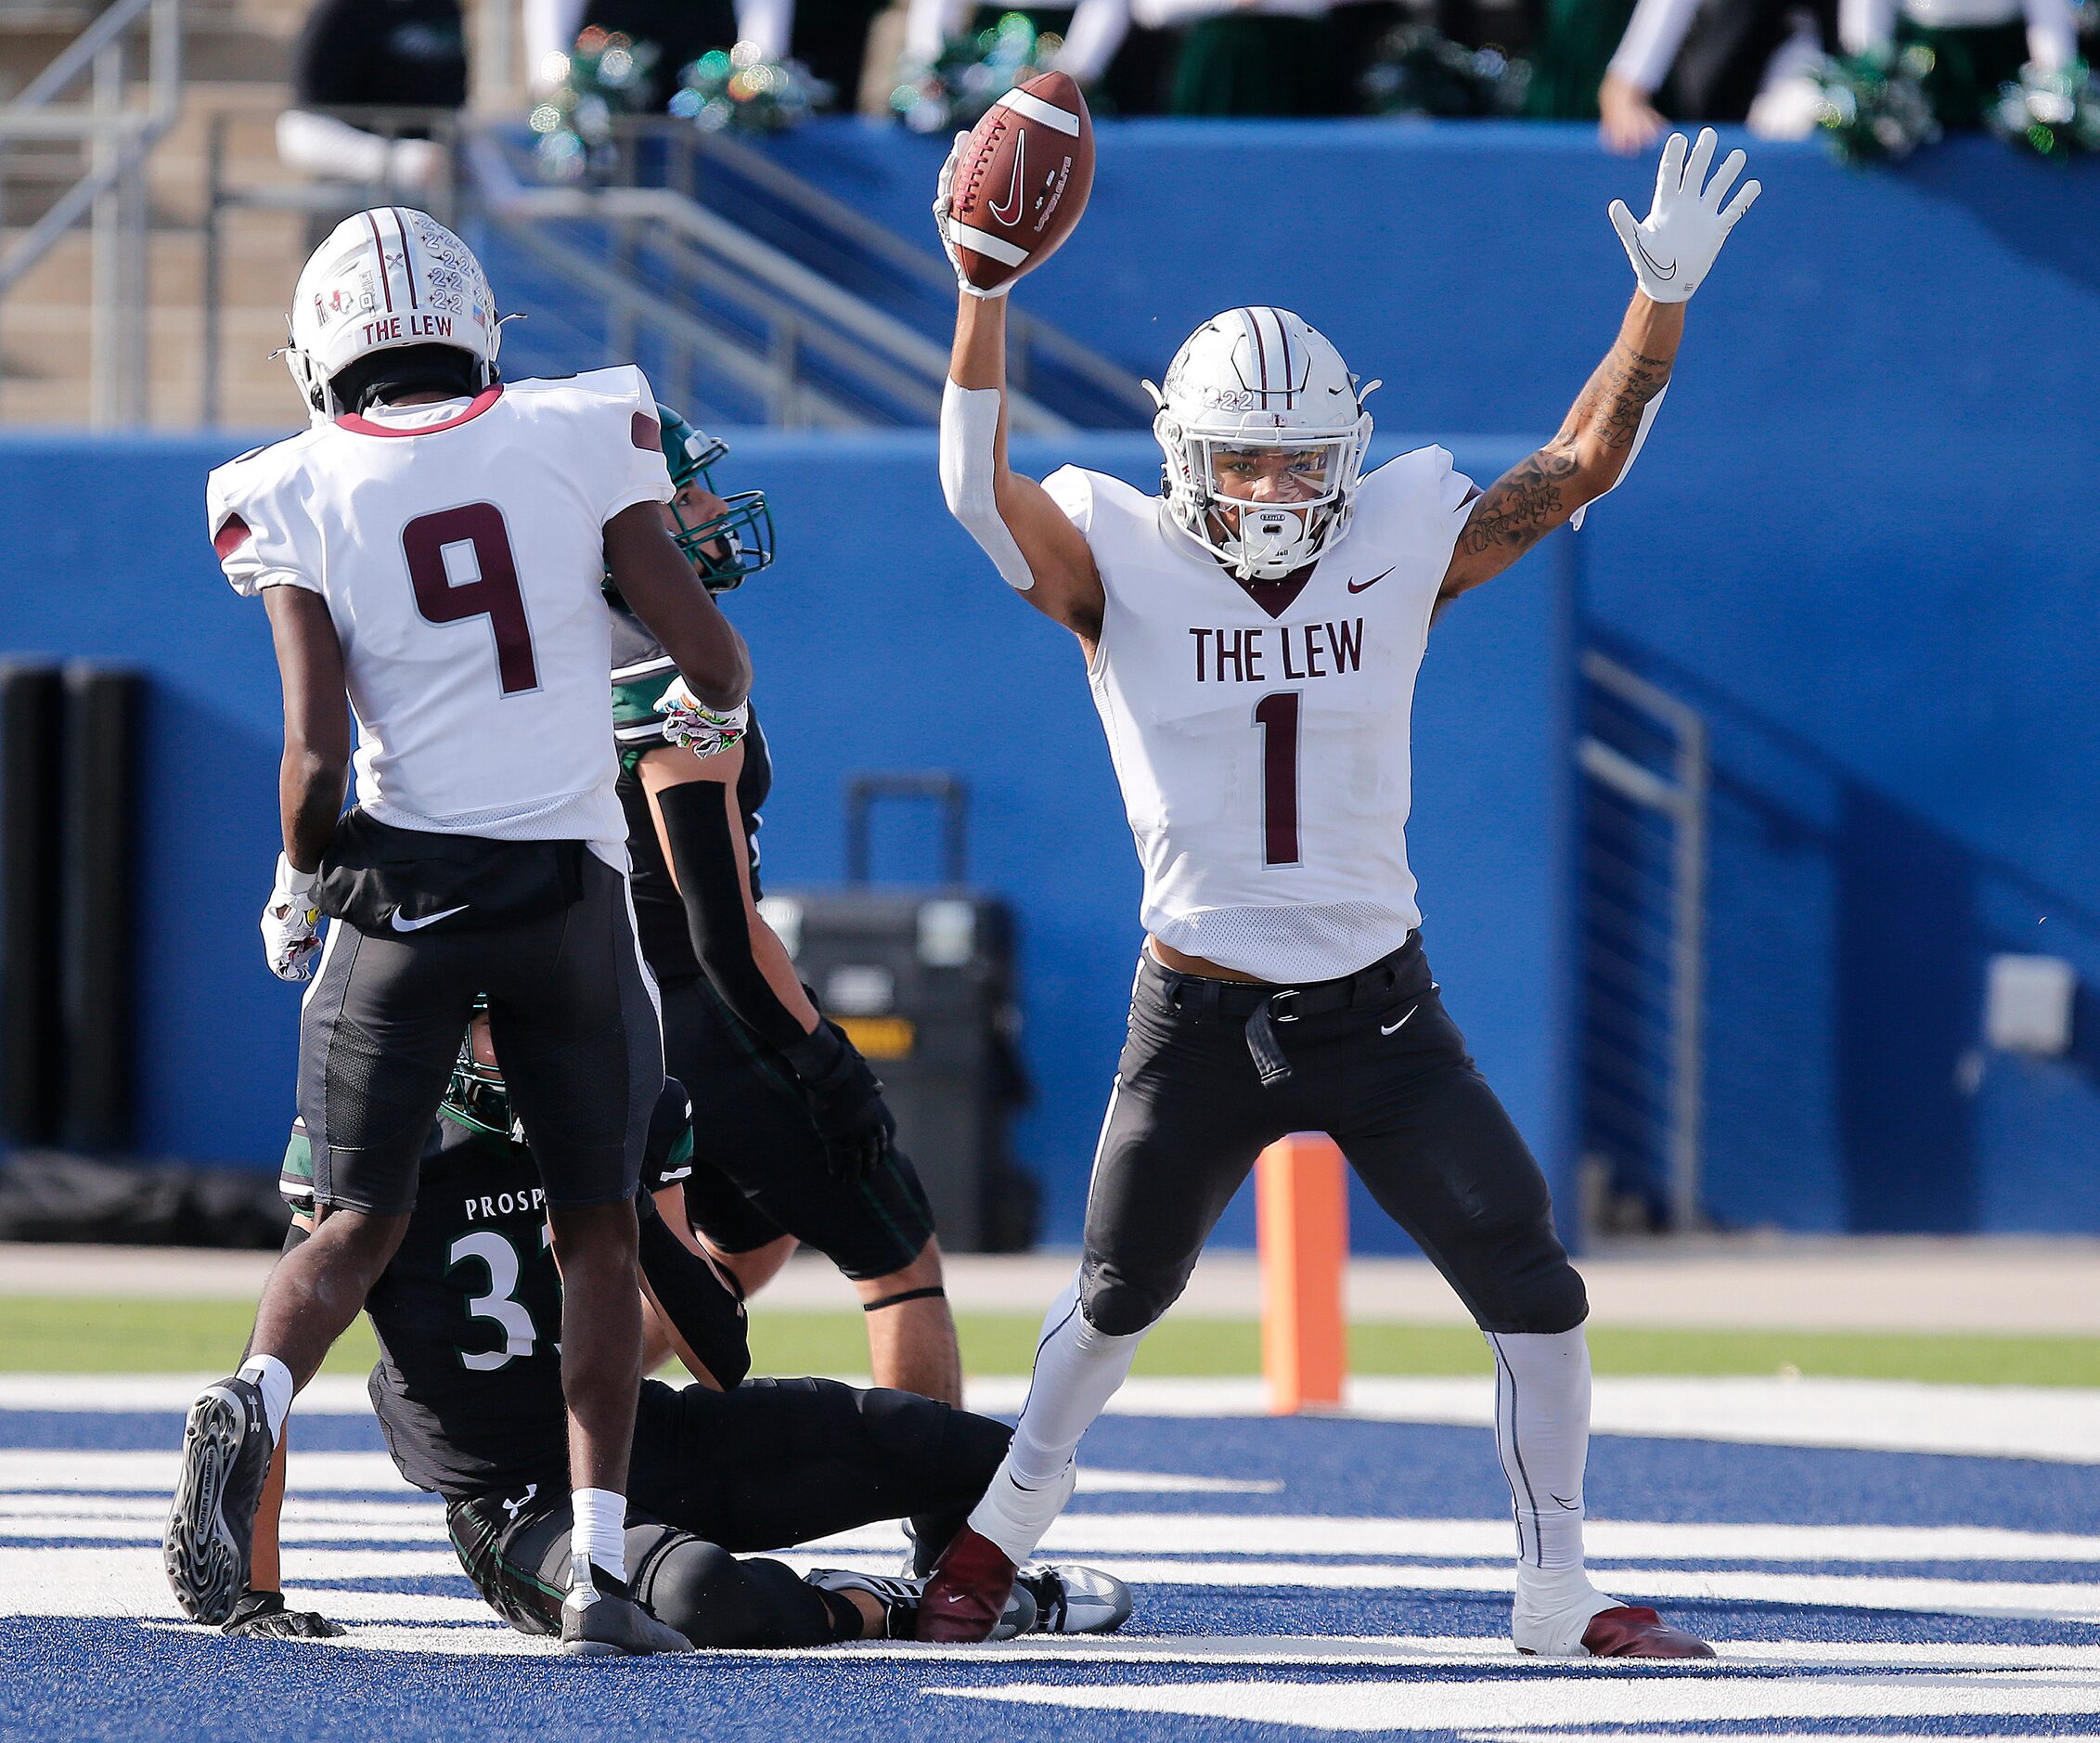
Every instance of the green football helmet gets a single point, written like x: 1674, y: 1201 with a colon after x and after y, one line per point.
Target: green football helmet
x: 742, y: 536
x: 476, y: 1096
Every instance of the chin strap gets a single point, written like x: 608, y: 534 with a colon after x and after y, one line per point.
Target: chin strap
x: 969, y: 463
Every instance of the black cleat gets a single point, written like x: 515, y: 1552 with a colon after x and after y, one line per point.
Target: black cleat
x: 899, y: 1599
x: 599, y: 1620
x: 226, y: 1458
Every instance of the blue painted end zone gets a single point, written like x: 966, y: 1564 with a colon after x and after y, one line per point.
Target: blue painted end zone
x: 106, y: 1677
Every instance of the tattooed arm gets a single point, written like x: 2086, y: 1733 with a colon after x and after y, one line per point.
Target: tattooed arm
x: 1580, y: 463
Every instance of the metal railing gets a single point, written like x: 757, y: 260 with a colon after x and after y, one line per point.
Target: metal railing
x: 1644, y: 753
x: 711, y: 304
x: 1032, y: 344
x: 112, y: 134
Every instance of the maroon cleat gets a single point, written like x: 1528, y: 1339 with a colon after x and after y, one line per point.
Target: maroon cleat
x: 1634, y: 1630
x: 966, y: 1593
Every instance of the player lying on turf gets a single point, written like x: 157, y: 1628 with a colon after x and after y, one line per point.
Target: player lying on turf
x: 467, y: 1392
x: 1253, y: 643
x: 813, y: 1159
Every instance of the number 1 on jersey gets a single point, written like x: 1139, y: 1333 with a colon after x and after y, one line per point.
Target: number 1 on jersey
x: 1276, y: 715
x: 493, y: 593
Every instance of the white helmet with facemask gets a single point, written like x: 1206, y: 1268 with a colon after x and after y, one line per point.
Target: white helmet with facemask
x: 385, y: 279
x: 1264, y: 434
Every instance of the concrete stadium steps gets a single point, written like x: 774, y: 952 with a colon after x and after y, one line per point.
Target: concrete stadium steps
x: 236, y: 60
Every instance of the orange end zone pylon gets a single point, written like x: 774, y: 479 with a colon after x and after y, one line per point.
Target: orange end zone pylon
x: 1302, y: 1213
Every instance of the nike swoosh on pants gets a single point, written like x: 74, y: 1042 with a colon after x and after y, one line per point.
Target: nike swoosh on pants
x: 401, y: 924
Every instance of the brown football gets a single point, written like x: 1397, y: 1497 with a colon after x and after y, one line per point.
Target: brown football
x: 1023, y: 181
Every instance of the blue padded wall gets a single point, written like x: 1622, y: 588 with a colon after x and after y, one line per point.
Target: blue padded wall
x: 883, y: 639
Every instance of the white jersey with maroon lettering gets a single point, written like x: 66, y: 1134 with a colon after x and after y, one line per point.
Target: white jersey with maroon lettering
x: 460, y: 549
x: 1260, y: 730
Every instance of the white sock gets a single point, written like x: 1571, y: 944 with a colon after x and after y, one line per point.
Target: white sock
x: 1077, y: 1371
x: 1542, y: 1436
x: 273, y: 1379
x: 600, y: 1530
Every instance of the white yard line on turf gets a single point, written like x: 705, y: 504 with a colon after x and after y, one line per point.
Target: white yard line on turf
x: 127, y: 1580
x: 2058, y: 1423
x: 2036, y: 1601
x: 312, y: 1519
x: 1499, y: 1706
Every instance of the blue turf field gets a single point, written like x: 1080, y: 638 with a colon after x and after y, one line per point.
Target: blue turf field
x: 1293, y: 1578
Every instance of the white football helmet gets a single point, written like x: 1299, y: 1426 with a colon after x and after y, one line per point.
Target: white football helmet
x: 387, y: 277
x: 1254, y: 380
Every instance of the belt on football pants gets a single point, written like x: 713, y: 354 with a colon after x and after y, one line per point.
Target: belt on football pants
x: 1262, y: 1005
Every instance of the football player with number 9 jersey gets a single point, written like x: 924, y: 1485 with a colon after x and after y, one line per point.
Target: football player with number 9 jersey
x: 430, y: 553
x: 1252, y: 636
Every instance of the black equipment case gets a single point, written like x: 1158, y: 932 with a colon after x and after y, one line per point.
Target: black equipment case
x: 923, y: 981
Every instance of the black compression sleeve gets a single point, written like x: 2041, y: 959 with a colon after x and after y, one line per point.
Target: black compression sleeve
x: 704, y: 855
x: 706, y: 1315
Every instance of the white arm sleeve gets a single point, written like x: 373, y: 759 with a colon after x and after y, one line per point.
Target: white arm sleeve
x: 1865, y: 24
x: 1653, y: 36
x: 1647, y: 417
x: 1098, y: 30
x: 968, y: 430
x: 927, y: 24
x: 2052, y: 34
x: 768, y: 23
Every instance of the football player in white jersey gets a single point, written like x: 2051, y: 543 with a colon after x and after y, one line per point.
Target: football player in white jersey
x: 1252, y: 637
x: 431, y: 554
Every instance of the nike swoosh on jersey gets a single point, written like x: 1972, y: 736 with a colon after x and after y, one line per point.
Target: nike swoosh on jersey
x: 403, y: 925
x: 1006, y: 211
x: 1655, y: 265
x: 1400, y: 1026
x: 1365, y: 587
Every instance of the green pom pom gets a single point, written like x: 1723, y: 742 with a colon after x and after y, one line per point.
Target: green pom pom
x: 971, y: 73
x: 2054, y: 115
x: 1418, y: 70
x: 1874, y: 109
x: 737, y: 90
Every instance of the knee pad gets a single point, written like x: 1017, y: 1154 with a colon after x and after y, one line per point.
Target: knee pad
x: 1539, y: 1292
x: 1114, y: 1306
x: 901, y: 1423
x: 693, y: 1586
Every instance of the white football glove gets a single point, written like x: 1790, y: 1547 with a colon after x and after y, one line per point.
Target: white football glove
x: 291, y: 923
x: 1673, y: 248
x: 942, y: 216
x: 691, y: 722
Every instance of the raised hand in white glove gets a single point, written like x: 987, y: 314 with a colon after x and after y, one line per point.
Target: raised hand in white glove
x: 691, y: 722
x: 942, y: 217
x: 291, y: 923
x: 1673, y: 248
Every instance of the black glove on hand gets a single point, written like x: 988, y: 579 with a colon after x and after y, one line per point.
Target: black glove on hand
x: 262, y: 1616
x: 845, y: 1100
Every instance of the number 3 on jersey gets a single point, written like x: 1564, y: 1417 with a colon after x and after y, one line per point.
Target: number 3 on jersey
x: 501, y: 1303
x: 493, y: 593
x: 1276, y: 715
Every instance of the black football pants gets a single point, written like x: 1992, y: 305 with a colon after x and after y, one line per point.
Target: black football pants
x: 772, y: 1464
x: 573, y: 1017
x: 1386, y: 1075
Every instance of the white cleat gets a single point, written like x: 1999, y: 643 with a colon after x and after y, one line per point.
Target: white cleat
x: 1075, y: 1600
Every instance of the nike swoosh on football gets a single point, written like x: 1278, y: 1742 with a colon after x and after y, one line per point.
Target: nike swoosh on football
x: 1006, y: 211
x: 1365, y: 587
x: 401, y: 924
x: 1655, y: 265
x: 1401, y: 1025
